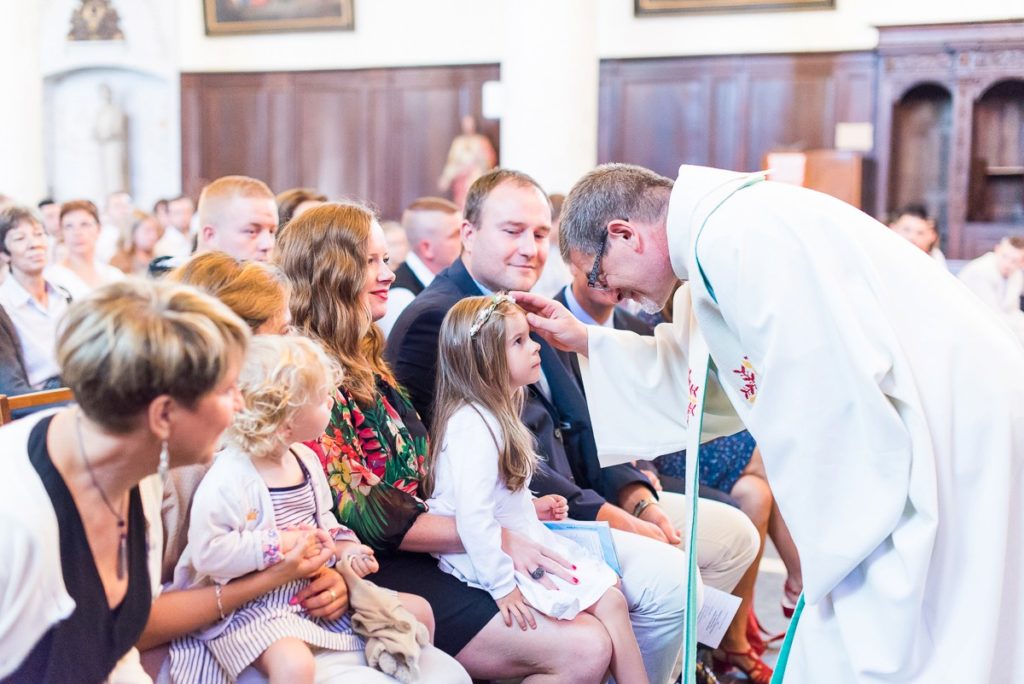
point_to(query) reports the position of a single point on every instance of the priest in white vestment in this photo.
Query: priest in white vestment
(888, 405)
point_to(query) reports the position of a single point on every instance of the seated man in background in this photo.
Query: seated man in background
(505, 236)
(998, 280)
(238, 216)
(432, 226)
(33, 305)
(912, 223)
(177, 238)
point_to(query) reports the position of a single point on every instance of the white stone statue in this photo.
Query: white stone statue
(111, 134)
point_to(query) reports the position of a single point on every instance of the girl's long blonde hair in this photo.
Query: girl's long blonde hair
(323, 254)
(472, 369)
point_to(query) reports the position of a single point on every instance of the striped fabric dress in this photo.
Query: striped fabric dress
(262, 621)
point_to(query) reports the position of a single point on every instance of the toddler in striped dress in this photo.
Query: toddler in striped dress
(265, 494)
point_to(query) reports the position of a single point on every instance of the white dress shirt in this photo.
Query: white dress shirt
(36, 326)
(399, 297)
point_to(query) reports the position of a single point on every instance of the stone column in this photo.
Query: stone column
(549, 77)
(22, 175)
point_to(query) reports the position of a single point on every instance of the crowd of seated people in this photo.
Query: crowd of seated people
(325, 453)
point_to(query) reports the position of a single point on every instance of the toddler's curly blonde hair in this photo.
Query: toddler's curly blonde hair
(281, 374)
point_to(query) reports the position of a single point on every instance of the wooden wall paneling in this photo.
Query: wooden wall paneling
(283, 136)
(191, 135)
(379, 135)
(728, 111)
(236, 127)
(431, 101)
(335, 141)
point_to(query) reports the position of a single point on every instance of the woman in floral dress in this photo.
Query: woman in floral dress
(335, 259)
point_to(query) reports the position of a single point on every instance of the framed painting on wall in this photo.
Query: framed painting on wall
(648, 7)
(227, 17)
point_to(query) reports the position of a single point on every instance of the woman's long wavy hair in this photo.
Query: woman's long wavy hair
(323, 254)
(474, 370)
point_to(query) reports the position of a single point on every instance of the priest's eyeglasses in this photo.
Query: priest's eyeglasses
(595, 280)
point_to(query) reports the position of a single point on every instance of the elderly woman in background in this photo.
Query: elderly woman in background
(373, 451)
(80, 272)
(153, 367)
(137, 247)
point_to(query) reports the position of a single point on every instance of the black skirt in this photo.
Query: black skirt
(460, 611)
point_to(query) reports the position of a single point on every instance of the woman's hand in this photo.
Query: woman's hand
(551, 507)
(528, 555)
(326, 595)
(514, 606)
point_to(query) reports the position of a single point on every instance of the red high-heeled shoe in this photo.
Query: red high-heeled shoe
(789, 598)
(760, 639)
(747, 662)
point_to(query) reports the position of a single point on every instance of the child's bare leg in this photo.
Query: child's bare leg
(627, 664)
(421, 610)
(287, 661)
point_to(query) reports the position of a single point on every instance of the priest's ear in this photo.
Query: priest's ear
(625, 231)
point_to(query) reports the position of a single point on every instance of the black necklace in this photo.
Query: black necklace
(122, 545)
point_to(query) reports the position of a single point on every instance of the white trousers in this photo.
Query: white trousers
(654, 575)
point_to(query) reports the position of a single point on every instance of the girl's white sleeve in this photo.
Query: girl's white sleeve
(472, 465)
(227, 535)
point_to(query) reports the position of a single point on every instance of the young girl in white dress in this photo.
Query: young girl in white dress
(479, 469)
(265, 494)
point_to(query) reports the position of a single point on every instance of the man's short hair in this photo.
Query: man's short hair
(915, 209)
(415, 229)
(608, 193)
(1015, 241)
(45, 202)
(220, 192)
(10, 218)
(482, 187)
(289, 200)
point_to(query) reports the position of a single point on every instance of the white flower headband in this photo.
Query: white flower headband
(486, 312)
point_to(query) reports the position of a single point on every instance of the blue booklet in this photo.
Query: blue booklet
(594, 536)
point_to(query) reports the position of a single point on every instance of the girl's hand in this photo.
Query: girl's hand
(361, 558)
(301, 561)
(514, 606)
(312, 540)
(528, 555)
(551, 507)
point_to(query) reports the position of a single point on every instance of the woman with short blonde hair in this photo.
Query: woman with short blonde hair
(153, 367)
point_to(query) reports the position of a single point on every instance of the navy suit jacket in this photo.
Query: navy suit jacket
(565, 440)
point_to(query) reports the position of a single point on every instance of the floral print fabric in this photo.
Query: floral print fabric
(373, 457)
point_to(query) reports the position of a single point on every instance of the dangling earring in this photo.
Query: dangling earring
(164, 463)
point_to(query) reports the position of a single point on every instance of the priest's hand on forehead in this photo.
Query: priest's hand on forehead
(553, 322)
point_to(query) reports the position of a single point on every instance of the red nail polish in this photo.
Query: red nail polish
(293, 600)
(575, 580)
(574, 567)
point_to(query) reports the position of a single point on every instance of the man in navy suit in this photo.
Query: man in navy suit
(505, 235)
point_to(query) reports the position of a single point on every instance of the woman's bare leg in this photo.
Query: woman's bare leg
(421, 610)
(627, 665)
(557, 652)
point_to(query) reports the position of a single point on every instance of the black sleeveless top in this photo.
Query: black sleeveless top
(86, 646)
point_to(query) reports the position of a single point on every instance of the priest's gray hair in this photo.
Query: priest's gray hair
(608, 193)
